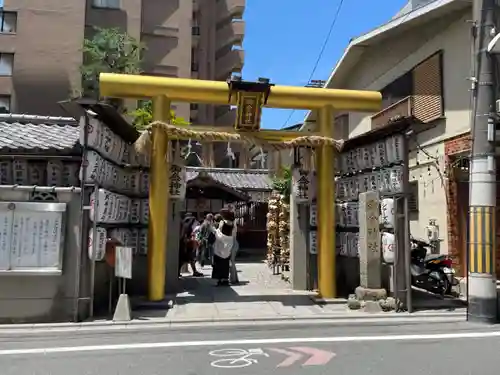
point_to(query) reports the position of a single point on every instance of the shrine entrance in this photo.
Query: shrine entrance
(250, 98)
(206, 195)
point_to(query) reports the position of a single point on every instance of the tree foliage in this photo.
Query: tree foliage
(109, 51)
(283, 183)
(143, 116)
(113, 51)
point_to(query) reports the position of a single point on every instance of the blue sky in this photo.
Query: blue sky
(283, 40)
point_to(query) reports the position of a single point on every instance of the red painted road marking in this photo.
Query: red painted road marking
(292, 357)
(318, 357)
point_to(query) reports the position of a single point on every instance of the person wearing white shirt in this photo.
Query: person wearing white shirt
(225, 236)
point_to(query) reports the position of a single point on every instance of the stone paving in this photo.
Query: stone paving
(260, 294)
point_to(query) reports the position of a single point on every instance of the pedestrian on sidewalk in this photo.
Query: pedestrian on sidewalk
(187, 247)
(225, 236)
(233, 271)
(206, 240)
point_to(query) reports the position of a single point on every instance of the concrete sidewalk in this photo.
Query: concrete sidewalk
(261, 298)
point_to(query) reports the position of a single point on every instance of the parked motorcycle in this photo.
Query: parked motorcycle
(432, 272)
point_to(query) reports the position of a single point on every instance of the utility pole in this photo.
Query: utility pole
(482, 296)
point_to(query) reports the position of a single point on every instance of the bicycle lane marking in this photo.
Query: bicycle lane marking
(236, 358)
(299, 355)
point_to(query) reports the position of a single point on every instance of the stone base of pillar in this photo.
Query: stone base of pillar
(371, 300)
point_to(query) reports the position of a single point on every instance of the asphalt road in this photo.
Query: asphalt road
(440, 348)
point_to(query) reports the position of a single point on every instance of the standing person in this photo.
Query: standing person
(225, 235)
(206, 239)
(187, 246)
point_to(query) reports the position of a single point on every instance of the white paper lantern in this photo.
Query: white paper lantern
(388, 247)
(387, 212)
(99, 251)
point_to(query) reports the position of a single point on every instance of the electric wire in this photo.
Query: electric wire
(321, 52)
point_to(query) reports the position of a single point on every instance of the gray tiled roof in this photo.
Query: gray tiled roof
(22, 133)
(243, 179)
(30, 134)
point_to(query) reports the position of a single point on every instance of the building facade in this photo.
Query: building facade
(41, 41)
(421, 63)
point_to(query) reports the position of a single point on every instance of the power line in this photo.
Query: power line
(323, 47)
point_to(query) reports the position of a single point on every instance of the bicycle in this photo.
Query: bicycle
(235, 358)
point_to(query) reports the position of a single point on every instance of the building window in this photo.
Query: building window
(397, 90)
(193, 106)
(8, 22)
(195, 30)
(6, 64)
(109, 4)
(4, 103)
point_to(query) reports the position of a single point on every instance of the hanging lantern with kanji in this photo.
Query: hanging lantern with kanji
(301, 185)
(250, 98)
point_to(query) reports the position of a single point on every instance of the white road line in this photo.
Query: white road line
(180, 344)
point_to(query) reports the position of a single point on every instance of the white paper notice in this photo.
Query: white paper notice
(123, 262)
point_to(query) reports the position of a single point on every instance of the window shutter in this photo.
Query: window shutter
(427, 87)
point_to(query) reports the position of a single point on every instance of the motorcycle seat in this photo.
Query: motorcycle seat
(434, 257)
(418, 270)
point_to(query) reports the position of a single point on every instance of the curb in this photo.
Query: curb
(451, 316)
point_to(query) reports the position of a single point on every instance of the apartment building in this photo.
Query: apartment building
(41, 40)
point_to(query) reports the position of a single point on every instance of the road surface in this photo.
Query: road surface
(439, 348)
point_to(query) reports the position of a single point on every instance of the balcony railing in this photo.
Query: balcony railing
(232, 62)
(230, 9)
(426, 108)
(232, 33)
(402, 108)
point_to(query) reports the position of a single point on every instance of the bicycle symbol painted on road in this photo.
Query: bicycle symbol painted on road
(236, 358)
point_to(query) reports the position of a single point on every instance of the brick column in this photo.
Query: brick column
(453, 147)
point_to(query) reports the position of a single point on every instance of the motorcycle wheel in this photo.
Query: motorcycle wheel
(446, 285)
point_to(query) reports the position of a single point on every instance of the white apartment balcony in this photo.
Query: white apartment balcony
(232, 33)
(230, 9)
(231, 62)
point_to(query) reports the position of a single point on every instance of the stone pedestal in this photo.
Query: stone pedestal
(298, 244)
(370, 264)
(370, 295)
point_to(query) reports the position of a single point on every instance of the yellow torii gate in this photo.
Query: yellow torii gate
(250, 97)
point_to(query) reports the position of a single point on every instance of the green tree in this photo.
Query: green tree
(113, 51)
(283, 183)
(109, 51)
(143, 116)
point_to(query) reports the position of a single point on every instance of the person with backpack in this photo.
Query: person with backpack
(187, 246)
